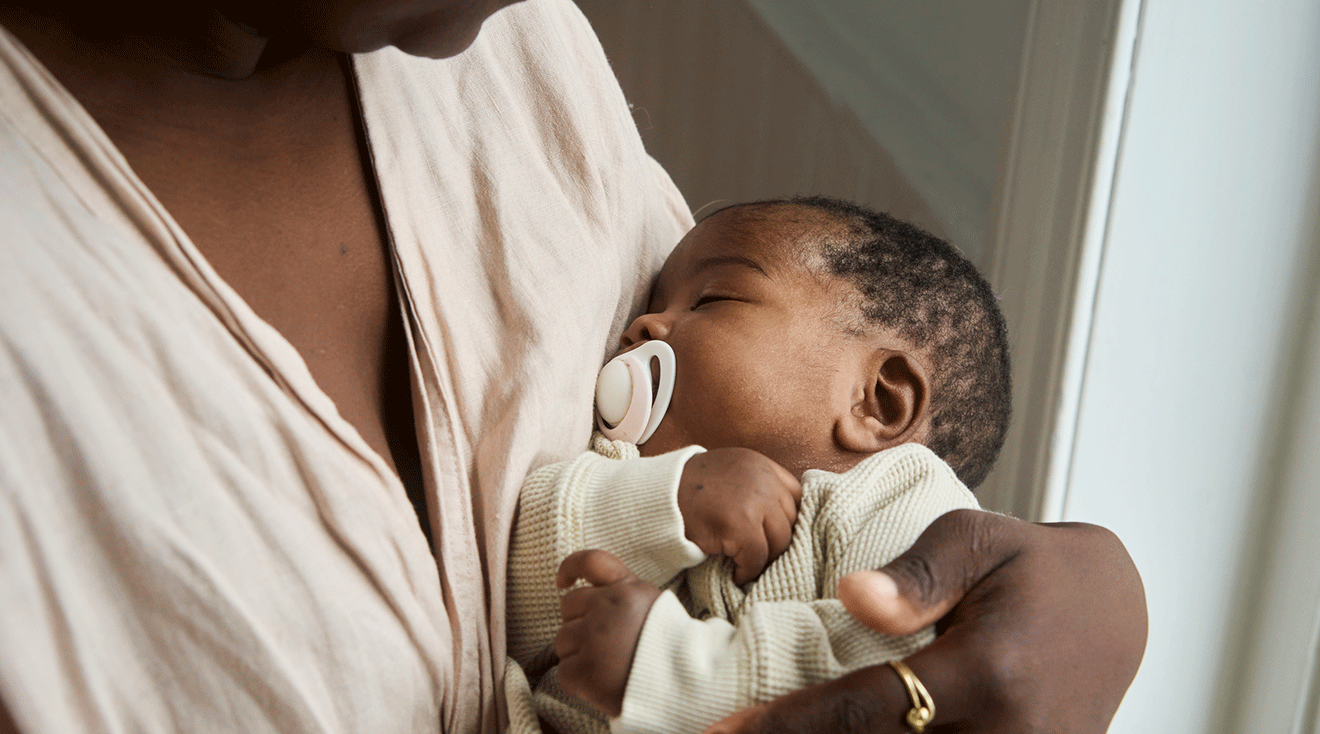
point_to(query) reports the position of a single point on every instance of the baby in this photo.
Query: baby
(812, 338)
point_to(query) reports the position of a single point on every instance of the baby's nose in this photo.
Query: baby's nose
(645, 328)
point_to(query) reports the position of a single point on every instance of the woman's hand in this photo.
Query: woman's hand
(1040, 628)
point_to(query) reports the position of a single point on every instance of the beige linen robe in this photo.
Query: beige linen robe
(191, 538)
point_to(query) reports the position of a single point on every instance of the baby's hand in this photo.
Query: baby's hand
(739, 503)
(602, 624)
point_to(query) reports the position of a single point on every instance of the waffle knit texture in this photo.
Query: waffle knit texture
(708, 647)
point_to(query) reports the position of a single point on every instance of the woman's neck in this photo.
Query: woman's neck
(200, 41)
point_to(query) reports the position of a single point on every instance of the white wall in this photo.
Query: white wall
(733, 115)
(1276, 685)
(933, 82)
(1196, 348)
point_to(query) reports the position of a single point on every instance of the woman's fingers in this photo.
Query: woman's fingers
(1041, 627)
(871, 701)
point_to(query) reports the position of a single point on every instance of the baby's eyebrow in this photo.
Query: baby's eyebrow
(715, 261)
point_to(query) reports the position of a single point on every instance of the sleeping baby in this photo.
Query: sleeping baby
(813, 383)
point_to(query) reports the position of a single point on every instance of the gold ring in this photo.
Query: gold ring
(923, 706)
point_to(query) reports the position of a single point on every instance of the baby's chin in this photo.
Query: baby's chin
(664, 440)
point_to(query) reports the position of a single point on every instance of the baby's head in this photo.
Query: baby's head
(818, 333)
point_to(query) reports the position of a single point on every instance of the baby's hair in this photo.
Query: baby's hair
(920, 286)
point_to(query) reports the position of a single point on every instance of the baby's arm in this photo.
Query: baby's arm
(786, 638)
(602, 623)
(658, 515)
(739, 503)
(720, 668)
(682, 674)
(626, 506)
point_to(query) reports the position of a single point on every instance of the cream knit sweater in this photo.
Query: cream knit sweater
(708, 647)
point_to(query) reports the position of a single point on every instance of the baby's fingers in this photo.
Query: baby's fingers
(778, 535)
(577, 602)
(570, 639)
(596, 567)
(788, 503)
(792, 483)
(749, 559)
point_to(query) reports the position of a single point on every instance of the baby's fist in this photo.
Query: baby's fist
(739, 503)
(602, 624)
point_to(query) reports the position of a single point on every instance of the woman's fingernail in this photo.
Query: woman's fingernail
(882, 585)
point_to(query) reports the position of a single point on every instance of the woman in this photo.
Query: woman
(266, 306)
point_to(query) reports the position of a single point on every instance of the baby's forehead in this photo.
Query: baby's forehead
(778, 233)
(782, 242)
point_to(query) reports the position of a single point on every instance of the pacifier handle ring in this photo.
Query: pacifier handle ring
(634, 421)
(664, 354)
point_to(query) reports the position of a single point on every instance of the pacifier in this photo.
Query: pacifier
(624, 408)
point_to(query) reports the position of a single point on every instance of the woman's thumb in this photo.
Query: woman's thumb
(914, 590)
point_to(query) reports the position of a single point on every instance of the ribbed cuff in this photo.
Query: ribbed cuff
(684, 676)
(647, 532)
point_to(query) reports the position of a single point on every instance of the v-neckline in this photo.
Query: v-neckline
(86, 139)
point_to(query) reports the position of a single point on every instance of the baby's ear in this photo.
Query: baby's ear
(890, 404)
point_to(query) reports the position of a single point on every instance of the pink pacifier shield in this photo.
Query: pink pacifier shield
(624, 408)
